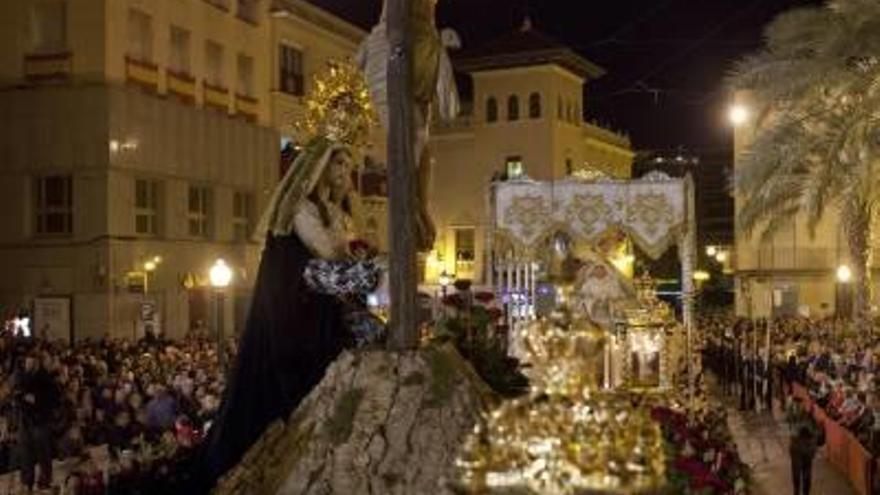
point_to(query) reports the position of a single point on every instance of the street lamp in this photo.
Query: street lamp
(721, 256)
(711, 251)
(445, 279)
(842, 302)
(220, 276)
(738, 114)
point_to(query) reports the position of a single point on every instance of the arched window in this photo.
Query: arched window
(535, 106)
(512, 107)
(560, 112)
(569, 112)
(491, 109)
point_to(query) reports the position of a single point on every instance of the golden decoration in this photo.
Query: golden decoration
(590, 210)
(565, 358)
(339, 106)
(530, 213)
(554, 445)
(565, 437)
(652, 210)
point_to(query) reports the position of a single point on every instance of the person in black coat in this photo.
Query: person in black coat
(37, 397)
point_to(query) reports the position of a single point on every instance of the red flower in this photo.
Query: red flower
(360, 247)
(454, 300)
(495, 314)
(484, 297)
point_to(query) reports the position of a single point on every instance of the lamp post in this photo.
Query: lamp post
(220, 276)
(445, 279)
(844, 277)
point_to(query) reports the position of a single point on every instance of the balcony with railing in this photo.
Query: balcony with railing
(48, 66)
(768, 258)
(247, 106)
(216, 96)
(182, 86)
(142, 73)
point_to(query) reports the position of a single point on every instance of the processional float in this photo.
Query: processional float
(601, 354)
(530, 219)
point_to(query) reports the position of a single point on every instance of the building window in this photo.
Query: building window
(179, 59)
(214, 64)
(569, 112)
(146, 207)
(290, 65)
(248, 9)
(491, 109)
(512, 107)
(53, 205)
(48, 27)
(569, 166)
(199, 211)
(513, 166)
(140, 36)
(245, 75)
(535, 106)
(465, 250)
(242, 214)
(560, 109)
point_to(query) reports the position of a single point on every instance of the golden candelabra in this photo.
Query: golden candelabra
(565, 437)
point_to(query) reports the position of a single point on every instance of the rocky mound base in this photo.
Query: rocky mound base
(378, 423)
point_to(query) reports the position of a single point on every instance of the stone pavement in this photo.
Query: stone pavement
(762, 440)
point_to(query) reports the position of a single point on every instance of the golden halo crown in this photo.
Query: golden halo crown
(338, 106)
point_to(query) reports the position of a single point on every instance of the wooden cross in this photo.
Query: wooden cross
(404, 331)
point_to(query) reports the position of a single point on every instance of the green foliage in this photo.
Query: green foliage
(814, 91)
(471, 331)
(442, 378)
(339, 427)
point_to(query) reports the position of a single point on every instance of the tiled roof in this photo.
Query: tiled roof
(525, 47)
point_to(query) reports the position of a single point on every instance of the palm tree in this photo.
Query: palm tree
(816, 90)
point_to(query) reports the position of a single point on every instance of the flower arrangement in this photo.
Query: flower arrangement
(475, 325)
(701, 456)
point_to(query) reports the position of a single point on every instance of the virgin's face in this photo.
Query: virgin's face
(337, 172)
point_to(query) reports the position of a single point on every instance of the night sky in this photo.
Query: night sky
(666, 59)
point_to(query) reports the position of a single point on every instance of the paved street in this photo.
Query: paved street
(763, 443)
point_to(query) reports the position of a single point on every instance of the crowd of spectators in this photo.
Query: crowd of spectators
(840, 368)
(149, 402)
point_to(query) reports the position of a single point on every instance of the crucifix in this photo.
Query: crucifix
(408, 70)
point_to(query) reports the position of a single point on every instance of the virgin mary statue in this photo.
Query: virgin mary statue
(293, 333)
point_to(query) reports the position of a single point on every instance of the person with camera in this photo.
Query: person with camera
(37, 398)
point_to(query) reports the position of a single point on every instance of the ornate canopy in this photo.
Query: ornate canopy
(655, 211)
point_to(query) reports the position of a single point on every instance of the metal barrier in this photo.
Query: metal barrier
(843, 449)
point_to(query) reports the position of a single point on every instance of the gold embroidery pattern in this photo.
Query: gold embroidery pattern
(528, 214)
(651, 210)
(589, 210)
